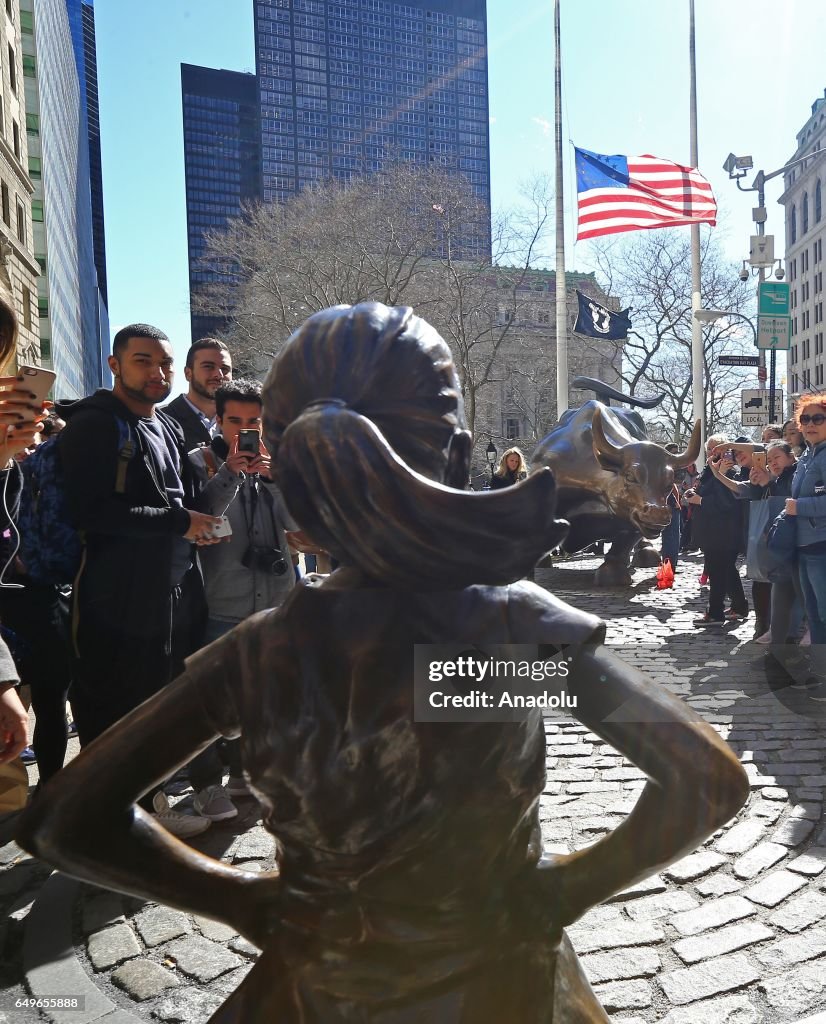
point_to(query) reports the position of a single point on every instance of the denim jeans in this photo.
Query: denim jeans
(813, 584)
(207, 768)
(671, 539)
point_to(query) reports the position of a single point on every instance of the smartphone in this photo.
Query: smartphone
(249, 441)
(36, 380)
(222, 529)
(758, 460)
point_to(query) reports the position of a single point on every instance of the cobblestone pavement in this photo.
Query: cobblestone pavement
(735, 933)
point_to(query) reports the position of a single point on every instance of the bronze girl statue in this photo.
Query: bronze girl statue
(411, 883)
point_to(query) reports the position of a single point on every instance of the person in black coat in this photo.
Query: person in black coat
(718, 529)
(208, 366)
(511, 470)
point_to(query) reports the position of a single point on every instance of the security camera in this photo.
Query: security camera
(744, 274)
(780, 273)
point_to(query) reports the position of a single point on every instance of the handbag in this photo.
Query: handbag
(782, 541)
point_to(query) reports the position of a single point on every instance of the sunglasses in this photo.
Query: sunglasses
(817, 419)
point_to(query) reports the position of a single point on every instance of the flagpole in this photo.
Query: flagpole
(560, 282)
(698, 398)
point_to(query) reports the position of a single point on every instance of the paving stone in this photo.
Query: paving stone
(741, 837)
(652, 908)
(718, 885)
(812, 811)
(688, 984)
(801, 912)
(620, 964)
(245, 948)
(255, 844)
(624, 995)
(111, 946)
(768, 810)
(188, 1005)
(810, 794)
(775, 793)
(694, 866)
(202, 959)
(588, 938)
(810, 863)
(646, 887)
(793, 949)
(793, 831)
(574, 775)
(725, 1010)
(797, 990)
(100, 910)
(228, 983)
(143, 979)
(161, 924)
(726, 940)
(10, 853)
(593, 787)
(774, 888)
(712, 915)
(215, 930)
(760, 858)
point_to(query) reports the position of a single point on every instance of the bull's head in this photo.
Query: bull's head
(642, 475)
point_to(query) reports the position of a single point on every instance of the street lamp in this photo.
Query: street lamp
(709, 316)
(490, 455)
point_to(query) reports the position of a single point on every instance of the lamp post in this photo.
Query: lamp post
(490, 455)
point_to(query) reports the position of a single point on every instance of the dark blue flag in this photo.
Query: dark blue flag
(595, 321)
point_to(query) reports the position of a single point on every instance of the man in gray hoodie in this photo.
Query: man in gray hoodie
(252, 570)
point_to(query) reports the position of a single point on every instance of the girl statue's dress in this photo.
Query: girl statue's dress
(411, 883)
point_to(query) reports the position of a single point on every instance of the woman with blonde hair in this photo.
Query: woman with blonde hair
(411, 882)
(512, 469)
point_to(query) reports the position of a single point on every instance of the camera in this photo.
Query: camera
(264, 559)
(744, 274)
(780, 273)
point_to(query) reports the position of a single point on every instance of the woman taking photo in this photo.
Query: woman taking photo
(411, 882)
(511, 470)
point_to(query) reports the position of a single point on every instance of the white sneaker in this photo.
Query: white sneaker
(766, 638)
(214, 803)
(178, 824)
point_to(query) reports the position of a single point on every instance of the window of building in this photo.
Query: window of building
(42, 261)
(512, 431)
(33, 124)
(819, 374)
(35, 168)
(45, 348)
(21, 222)
(27, 23)
(9, 9)
(804, 214)
(12, 70)
(793, 225)
(15, 134)
(818, 202)
(6, 205)
(42, 307)
(37, 210)
(29, 66)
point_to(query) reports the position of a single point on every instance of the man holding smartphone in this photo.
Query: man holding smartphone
(252, 569)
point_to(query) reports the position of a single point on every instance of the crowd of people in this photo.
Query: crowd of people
(184, 536)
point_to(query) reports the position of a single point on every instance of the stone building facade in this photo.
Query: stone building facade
(16, 236)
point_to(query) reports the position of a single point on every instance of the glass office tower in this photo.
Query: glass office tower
(222, 164)
(345, 83)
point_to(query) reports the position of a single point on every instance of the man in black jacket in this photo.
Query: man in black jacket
(208, 366)
(138, 600)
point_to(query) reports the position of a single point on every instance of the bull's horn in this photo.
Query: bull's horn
(692, 453)
(602, 446)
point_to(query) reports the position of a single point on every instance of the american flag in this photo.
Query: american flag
(633, 193)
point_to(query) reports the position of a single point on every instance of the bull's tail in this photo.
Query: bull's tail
(605, 393)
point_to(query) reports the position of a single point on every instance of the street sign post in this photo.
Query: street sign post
(774, 332)
(773, 298)
(754, 406)
(739, 360)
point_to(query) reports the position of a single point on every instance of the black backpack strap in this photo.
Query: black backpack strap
(127, 449)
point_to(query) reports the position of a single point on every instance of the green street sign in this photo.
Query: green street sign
(773, 298)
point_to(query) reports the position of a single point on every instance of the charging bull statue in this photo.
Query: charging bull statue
(612, 482)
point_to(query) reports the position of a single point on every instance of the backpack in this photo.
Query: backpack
(51, 548)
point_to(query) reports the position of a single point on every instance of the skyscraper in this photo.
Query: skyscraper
(73, 321)
(343, 84)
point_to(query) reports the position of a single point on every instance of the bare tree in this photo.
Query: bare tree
(652, 274)
(407, 235)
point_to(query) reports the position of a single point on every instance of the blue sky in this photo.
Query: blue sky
(625, 90)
